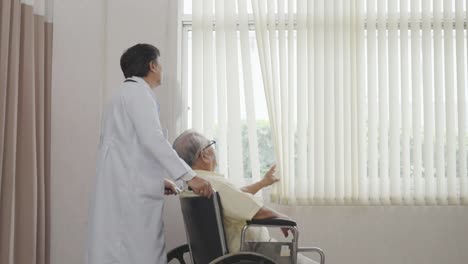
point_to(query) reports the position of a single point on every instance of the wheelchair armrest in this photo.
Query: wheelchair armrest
(272, 222)
(178, 253)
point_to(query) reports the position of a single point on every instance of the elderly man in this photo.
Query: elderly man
(239, 204)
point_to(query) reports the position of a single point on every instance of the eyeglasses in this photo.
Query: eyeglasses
(212, 142)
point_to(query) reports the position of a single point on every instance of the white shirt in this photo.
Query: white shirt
(238, 207)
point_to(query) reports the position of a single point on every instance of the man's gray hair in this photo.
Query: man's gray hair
(188, 144)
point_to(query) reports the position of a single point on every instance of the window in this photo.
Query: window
(266, 156)
(367, 99)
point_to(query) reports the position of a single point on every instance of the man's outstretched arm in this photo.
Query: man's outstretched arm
(268, 179)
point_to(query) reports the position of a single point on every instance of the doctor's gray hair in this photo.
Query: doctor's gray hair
(135, 60)
(188, 144)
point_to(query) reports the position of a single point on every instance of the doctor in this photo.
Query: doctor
(134, 158)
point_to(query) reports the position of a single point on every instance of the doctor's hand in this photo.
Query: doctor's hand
(200, 186)
(170, 187)
(269, 178)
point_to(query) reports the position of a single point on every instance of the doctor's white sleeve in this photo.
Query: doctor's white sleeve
(142, 110)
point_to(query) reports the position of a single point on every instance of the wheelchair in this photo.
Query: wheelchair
(203, 219)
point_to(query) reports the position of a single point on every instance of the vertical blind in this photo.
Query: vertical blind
(219, 52)
(366, 98)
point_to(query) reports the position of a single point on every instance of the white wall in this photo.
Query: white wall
(76, 80)
(375, 234)
(404, 235)
(89, 37)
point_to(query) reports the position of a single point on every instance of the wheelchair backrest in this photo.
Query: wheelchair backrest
(203, 219)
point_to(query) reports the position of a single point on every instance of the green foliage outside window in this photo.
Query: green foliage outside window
(265, 148)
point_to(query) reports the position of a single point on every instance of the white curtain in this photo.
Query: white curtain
(367, 99)
(219, 52)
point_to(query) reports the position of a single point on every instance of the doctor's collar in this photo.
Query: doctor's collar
(136, 79)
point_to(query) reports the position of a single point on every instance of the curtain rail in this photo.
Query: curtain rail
(187, 23)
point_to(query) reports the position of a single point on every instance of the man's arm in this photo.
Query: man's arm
(267, 213)
(267, 180)
(254, 188)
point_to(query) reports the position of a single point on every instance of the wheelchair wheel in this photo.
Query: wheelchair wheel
(243, 258)
(178, 254)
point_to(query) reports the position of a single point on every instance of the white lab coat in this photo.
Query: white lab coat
(134, 157)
